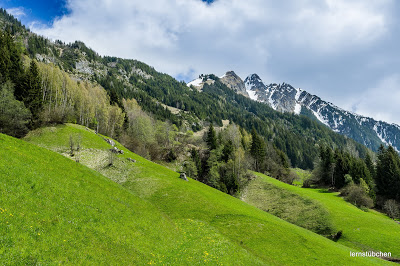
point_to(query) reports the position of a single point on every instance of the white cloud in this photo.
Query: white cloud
(178, 35)
(17, 12)
(382, 101)
(340, 23)
(185, 38)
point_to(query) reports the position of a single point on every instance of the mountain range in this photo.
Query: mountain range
(286, 98)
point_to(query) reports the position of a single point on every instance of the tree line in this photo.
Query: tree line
(363, 182)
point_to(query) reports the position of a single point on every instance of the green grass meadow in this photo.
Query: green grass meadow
(363, 230)
(57, 211)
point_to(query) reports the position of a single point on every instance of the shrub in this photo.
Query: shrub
(310, 181)
(356, 195)
(392, 209)
(14, 116)
(288, 177)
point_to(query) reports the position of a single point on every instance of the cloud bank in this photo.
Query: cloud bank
(335, 49)
(17, 12)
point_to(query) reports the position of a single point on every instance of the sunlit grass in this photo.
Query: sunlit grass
(151, 216)
(368, 231)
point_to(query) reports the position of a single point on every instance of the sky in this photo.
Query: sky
(345, 51)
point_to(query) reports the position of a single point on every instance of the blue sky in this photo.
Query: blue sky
(43, 11)
(345, 51)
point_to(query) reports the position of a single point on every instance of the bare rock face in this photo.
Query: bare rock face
(234, 82)
(83, 67)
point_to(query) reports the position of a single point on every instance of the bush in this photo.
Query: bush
(392, 209)
(14, 116)
(307, 183)
(288, 177)
(356, 195)
(312, 180)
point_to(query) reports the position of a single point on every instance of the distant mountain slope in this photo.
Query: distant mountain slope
(285, 98)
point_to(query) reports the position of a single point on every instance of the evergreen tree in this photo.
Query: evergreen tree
(194, 154)
(211, 139)
(32, 92)
(10, 59)
(257, 149)
(327, 165)
(388, 173)
(342, 167)
(370, 165)
(227, 151)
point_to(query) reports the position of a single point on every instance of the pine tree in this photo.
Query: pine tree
(342, 167)
(211, 138)
(32, 92)
(388, 173)
(370, 165)
(257, 149)
(327, 165)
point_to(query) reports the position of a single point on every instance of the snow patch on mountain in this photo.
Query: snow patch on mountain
(197, 82)
(298, 93)
(252, 95)
(297, 109)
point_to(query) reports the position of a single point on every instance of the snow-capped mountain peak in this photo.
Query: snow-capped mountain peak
(285, 98)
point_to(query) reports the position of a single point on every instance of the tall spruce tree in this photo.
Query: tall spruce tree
(342, 167)
(327, 165)
(370, 165)
(32, 92)
(257, 149)
(211, 139)
(388, 173)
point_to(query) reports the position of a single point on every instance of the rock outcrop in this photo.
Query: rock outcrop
(234, 82)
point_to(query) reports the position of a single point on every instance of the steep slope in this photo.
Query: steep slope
(361, 230)
(53, 210)
(285, 98)
(204, 214)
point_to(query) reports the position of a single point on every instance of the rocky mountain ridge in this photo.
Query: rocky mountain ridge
(285, 98)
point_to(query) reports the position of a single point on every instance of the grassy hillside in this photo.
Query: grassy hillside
(289, 206)
(54, 210)
(214, 227)
(57, 211)
(361, 230)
